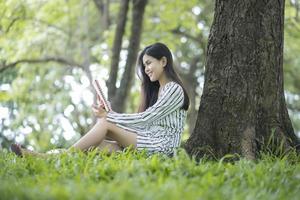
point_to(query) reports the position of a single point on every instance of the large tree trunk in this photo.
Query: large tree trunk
(119, 101)
(242, 106)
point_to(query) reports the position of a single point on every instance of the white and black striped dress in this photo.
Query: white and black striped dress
(159, 127)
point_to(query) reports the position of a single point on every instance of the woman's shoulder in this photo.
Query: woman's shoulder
(172, 85)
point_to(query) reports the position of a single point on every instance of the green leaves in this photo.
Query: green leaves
(34, 30)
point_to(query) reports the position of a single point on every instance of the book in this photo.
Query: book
(100, 93)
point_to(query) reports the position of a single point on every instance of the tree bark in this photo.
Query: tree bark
(242, 106)
(113, 74)
(119, 101)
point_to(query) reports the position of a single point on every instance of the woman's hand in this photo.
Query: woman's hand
(102, 105)
(99, 111)
(109, 106)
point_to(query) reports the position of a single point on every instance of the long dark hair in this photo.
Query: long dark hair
(150, 89)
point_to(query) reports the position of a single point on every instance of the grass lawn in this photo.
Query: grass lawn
(132, 175)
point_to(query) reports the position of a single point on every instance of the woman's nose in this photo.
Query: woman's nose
(147, 69)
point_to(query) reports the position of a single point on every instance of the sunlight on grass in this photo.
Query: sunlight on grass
(133, 175)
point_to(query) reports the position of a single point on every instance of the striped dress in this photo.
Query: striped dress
(159, 127)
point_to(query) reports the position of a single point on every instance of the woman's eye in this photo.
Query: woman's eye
(147, 63)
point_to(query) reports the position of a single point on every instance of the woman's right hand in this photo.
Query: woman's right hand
(101, 104)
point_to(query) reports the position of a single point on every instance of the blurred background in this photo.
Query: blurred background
(51, 50)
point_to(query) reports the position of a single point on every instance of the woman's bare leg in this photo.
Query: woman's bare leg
(109, 146)
(95, 138)
(102, 129)
(20, 151)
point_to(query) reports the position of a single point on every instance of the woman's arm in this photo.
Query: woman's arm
(171, 99)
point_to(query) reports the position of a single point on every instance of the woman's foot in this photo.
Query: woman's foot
(20, 151)
(17, 149)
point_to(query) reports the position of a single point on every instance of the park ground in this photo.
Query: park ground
(133, 175)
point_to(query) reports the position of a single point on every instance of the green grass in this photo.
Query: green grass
(132, 175)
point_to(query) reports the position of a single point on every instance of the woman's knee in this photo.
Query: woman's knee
(102, 122)
(123, 137)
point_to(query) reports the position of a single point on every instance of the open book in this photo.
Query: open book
(100, 93)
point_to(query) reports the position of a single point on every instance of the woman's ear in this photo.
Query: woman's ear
(164, 61)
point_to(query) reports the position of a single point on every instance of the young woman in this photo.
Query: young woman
(158, 125)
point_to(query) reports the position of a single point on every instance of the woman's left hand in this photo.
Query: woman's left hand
(99, 111)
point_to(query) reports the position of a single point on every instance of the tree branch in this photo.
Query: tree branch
(60, 60)
(34, 20)
(198, 39)
(177, 31)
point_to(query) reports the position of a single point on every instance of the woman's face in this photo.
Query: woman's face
(154, 68)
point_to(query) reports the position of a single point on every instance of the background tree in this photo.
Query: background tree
(292, 61)
(117, 46)
(243, 106)
(78, 51)
(122, 93)
(186, 34)
(51, 50)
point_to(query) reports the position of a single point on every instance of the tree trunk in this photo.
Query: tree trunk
(103, 8)
(242, 106)
(122, 18)
(119, 101)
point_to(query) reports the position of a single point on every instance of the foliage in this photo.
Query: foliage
(133, 175)
(292, 62)
(38, 95)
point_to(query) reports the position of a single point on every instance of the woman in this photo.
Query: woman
(158, 125)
